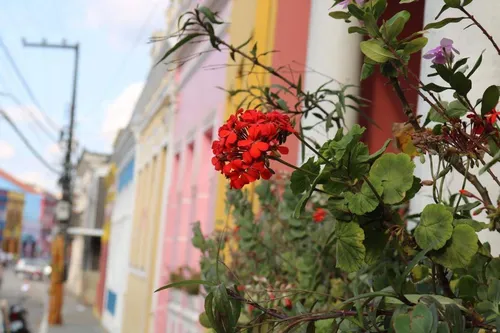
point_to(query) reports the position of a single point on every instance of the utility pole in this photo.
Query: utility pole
(65, 205)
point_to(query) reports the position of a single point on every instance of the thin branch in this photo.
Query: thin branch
(476, 22)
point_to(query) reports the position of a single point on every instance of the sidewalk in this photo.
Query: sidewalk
(76, 319)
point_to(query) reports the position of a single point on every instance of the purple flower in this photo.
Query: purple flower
(442, 53)
(345, 3)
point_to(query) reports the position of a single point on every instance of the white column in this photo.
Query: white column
(331, 53)
(470, 43)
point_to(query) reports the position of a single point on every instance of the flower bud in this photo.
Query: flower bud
(427, 182)
(466, 193)
(288, 303)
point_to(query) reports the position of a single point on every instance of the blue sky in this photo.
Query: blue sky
(114, 61)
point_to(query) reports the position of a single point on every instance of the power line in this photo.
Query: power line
(26, 86)
(40, 124)
(28, 144)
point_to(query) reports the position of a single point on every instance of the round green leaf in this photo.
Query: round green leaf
(365, 201)
(395, 173)
(490, 99)
(350, 249)
(435, 227)
(460, 249)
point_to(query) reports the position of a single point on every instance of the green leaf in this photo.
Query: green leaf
(454, 316)
(340, 15)
(415, 187)
(456, 109)
(452, 3)
(347, 142)
(443, 328)
(393, 29)
(209, 15)
(416, 45)
(375, 243)
(435, 227)
(476, 225)
(204, 321)
(421, 320)
(395, 174)
(365, 201)
(442, 23)
(358, 30)
(419, 257)
(490, 163)
(325, 326)
(460, 83)
(302, 178)
(350, 250)
(460, 249)
(494, 291)
(376, 52)
(476, 65)
(178, 45)
(366, 71)
(434, 87)
(356, 11)
(375, 155)
(185, 283)
(467, 287)
(402, 323)
(490, 99)
(493, 268)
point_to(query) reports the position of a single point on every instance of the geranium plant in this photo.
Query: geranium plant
(330, 249)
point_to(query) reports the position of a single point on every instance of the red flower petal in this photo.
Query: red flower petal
(282, 149)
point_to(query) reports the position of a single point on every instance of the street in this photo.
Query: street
(77, 318)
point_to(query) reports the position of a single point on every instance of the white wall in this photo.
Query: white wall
(470, 43)
(118, 254)
(331, 53)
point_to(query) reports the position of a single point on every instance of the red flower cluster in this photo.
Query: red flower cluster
(319, 215)
(246, 141)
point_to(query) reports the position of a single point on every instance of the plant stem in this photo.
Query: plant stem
(291, 165)
(314, 150)
(444, 282)
(406, 106)
(476, 22)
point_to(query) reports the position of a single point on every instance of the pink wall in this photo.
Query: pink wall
(292, 19)
(199, 103)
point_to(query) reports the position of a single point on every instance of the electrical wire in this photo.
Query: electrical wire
(26, 86)
(27, 143)
(41, 125)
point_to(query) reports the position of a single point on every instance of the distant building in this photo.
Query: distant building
(89, 203)
(38, 210)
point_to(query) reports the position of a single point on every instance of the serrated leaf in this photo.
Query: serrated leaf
(416, 45)
(350, 250)
(376, 52)
(490, 99)
(442, 23)
(395, 174)
(302, 178)
(435, 227)
(349, 140)
(460, 249)
(365, 201)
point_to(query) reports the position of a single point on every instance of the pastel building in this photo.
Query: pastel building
(151, 125)
(3, 213)
(120, 228)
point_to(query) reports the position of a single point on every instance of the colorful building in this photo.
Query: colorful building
(13, 223)
(47, 221)
(30, 243)
(120, 229)
(3, 213)
(151, 124)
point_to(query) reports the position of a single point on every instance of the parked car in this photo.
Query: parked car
(33, 268)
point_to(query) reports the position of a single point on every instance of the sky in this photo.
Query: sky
(114, 63)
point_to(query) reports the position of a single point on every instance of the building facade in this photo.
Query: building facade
(151, 124)
(119, 232)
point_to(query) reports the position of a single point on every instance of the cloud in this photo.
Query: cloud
(6, 150)
(118, 112)
(122, 19)
(27, 114)
(39, 179)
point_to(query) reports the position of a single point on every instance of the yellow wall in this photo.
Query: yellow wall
(263, 26)
(146, 225)
(14, 222)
